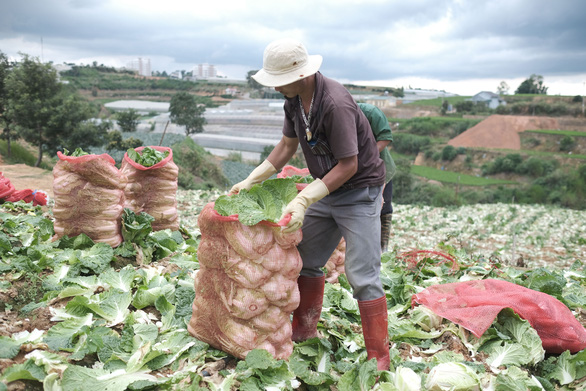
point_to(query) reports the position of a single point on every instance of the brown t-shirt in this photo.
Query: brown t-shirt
(339, 130)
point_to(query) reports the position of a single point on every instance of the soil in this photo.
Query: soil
(25, 177)
(501, 131)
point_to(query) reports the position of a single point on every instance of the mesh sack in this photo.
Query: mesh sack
(89, 198)
(10, 194)
(6, 187)
(289, 171)
(37, 197)
(246, 287)
(153, 189)
(475, 304)
(335, 265)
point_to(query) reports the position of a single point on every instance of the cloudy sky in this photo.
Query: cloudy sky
(459, 46)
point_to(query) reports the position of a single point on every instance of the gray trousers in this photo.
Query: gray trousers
(355, 215)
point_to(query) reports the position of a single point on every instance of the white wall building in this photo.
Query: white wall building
(141, 65)
(205, 71)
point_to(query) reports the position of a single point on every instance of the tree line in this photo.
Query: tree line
(37, 107)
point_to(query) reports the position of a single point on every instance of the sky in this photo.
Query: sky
(458, 46)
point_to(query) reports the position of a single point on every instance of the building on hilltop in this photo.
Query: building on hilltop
(380, 101)
(414, 94)
(178, 75)
(142, 66)
(204, 71)
(490, 99)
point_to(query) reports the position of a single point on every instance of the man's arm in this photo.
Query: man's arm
(283, 152)
(382, 144)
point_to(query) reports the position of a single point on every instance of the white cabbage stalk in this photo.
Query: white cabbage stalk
(407, 380)
(452, 376)
(426, 318)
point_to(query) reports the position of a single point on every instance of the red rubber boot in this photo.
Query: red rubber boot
(374, 318)
(306, 316)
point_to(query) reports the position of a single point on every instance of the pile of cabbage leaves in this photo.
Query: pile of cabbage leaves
(118, 320)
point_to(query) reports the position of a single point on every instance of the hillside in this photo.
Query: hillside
(501, 131)
(479, 139)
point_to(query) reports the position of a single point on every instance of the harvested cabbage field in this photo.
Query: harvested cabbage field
(76, 315)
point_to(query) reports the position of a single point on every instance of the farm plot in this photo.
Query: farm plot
(77, 313)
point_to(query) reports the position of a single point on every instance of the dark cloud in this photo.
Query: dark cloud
(443, 39)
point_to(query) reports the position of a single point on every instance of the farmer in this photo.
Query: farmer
(344, 199)
(383, 136)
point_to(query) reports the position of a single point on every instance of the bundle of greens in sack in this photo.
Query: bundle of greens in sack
(89, 197)
(246, 287)
(152, 184)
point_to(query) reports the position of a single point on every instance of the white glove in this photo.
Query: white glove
(314, 192)
(259, 174)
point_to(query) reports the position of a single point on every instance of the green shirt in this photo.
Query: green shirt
(382, 132)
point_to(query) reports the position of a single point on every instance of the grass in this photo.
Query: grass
(530, 152)
(437, 102)
(456, 178)
(20, 154)
(571, 133)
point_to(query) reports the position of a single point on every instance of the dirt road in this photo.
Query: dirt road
(25, 177)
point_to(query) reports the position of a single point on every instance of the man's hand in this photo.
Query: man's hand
(259, 174)
(314, 192)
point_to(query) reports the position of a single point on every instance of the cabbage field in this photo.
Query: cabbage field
(79, 315)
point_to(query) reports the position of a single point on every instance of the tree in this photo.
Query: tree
(503, 88)
(253, 83)
(186, 111)
(33, 96)
(449, 153)
(532, 85)
(128, 120)
(118, 143)
(70, 126)
(5, 121)
(399, 92)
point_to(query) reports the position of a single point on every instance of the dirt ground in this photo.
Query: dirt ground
(501, 131)
(25, 177)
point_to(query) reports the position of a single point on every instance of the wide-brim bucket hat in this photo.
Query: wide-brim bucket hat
(286, 61)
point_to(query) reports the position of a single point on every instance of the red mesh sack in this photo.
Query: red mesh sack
(89, 198)
(335, 265)
(37, 197)
(475, 304)
(288, 171)
(10, 194)
(153, 189)
(6, 188)
(246, 287)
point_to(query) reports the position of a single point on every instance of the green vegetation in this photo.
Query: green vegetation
(184, 110)
(445, 127)
(545, 154)
(410, 144)
(555, 132)
(197, 168)
(105, 78)
(438, 102)
(20, 155)
(148, 157)
(532, 85)
(549, 184)
(118, 315)
(264, 201)
(69, 128)
(539, 108)
(455, 177)
(128, 120)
